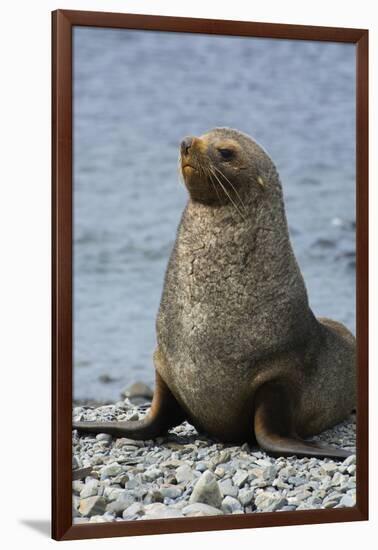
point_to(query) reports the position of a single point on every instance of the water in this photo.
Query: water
(136, 94)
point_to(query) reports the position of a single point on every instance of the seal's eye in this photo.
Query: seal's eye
(226, 153)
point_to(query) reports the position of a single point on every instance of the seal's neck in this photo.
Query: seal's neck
(263, 208)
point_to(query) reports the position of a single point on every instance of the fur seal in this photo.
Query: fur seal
(240, 354)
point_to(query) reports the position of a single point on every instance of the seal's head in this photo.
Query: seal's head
(223, 166)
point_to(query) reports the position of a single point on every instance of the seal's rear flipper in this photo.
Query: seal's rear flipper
(165, 413)
(274, 431)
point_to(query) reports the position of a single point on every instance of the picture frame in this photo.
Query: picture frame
(63, 22)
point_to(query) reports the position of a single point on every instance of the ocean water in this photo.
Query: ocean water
(136, 94)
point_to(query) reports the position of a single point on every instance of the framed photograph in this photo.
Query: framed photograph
(210, 274)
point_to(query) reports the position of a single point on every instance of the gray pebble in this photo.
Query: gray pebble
(120, 504)
(110, 470)
(201, 509)
(89, 489)
(231, 506)
(245, 496)
(160, 511)
(171, 491)
(151, 474)
(240, 478)
(267, 501)
(207, 490)
(104, 437)
(350, 460)
(228, 488)
(347, 501)
(184, 474)
(92, 506)
(134, 510)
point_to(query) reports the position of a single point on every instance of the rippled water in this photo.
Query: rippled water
(136, 94)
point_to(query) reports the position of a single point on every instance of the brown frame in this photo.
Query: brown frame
(62, 23)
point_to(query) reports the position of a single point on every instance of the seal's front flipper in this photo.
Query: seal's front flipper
(274, 427)
(165, 413)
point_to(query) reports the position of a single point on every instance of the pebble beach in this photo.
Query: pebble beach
(185, 473)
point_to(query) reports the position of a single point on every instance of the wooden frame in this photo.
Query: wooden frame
(62, 23)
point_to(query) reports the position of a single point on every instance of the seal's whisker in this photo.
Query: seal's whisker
(228, 195)
(214, 186)
(233, 187)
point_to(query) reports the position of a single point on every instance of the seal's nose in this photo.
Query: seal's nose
(186, 144)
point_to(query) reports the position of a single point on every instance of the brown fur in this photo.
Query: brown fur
(240, 353)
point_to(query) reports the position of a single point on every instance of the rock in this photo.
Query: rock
(269, 473)
(331, 503)
(104, 438)
(92, 506)
(328, 468)
(207, 490)
(297, 481)
(122, 441)
(338, 479)
(97, 519)
(81, 473)
(133, 511)
(154, 495)
(245, 496)
(270, 502)
(121, 479)
(227, 488)
(301, 495)
(347, 501)
(287, 471)
(221, 458)
(255, 473)
(170, 479)
(184, 474)
(171, 491)
(133, 483)
(111, 470)
(89, 489)
(132, 415)
(240, 478)
(201, 509)
(172, 463)
(159, 510)
(112, 493)
(349, 461)
(121, 503)
(264, 462)
(151, 474)
(127, 479)
(231, 506)
(77, 486)
(315, 501)
(280, 484)
(138, 393)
